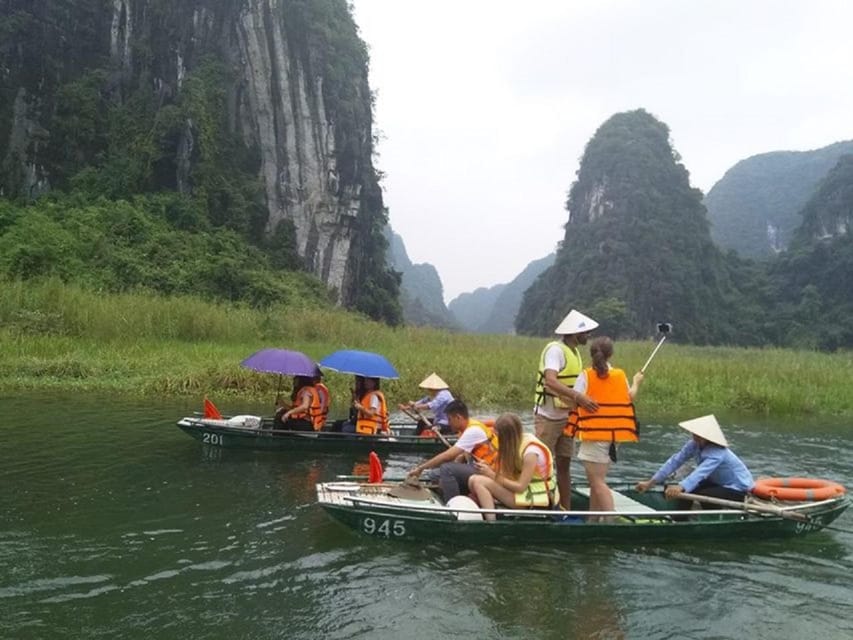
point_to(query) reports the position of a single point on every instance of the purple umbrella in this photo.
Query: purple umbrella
(282, 362)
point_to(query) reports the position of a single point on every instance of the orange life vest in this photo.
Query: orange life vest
(369, 425)
(323, 393)
(487, 451)
(615, 420)
(314, 413)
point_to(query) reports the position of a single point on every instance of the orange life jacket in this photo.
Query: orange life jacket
(314, 413)
(615, 420)
(323, 393)
(370, 425)
(487, 451)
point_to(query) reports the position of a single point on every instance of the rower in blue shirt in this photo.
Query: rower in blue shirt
(437, 398)
(719, 473)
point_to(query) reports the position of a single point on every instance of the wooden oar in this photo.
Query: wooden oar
(417, 415)
(746, 506)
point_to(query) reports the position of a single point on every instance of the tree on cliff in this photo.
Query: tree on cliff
(812, 282)
(246, 121)
(637, 248)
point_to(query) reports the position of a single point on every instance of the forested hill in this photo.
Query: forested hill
(637, 249)
(493, 309)
(220, 147)
(421, 291)
(813, 279)
(754, 209)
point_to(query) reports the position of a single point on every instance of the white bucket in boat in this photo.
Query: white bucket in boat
(464, 502)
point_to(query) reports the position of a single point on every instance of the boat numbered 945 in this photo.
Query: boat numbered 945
(383, 510)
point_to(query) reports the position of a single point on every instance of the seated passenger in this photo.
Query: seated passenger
(305, 410)
(369, 414)
(325, 400)
(719, 473)
(525, 476)
(478, 442)
(437, 398)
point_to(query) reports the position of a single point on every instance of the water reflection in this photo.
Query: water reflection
(118, 524)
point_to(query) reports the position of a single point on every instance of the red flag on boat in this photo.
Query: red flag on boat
(210, 410)
(375, 475)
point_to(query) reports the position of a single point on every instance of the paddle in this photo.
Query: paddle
(417, 415)
(762, 508)
(663, 328)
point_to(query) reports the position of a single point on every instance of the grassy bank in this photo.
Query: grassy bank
(55, 337)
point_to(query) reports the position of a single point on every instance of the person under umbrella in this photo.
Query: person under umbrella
(369, 414)
(305, 412)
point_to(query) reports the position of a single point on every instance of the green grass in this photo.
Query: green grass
(56, 337)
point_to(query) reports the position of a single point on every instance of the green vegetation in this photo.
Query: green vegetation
(154, 242)
(637, 249)
(765, 192)
(169, 154)
(58, 337)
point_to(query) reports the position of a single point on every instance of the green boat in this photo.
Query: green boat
(235, 433)
(384, 511)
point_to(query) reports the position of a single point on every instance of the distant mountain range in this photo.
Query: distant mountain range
(421, 291)
(755, 207)
(493, 309)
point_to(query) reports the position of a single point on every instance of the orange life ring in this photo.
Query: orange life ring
(797, 489)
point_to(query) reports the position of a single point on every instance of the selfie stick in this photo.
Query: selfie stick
(663, 328)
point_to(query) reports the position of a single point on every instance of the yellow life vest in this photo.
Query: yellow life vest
(615, 420)
(486, 452)
(541, 492)
(567, 375)
(371, 424)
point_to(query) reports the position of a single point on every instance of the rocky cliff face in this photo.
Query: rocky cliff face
(297, 96)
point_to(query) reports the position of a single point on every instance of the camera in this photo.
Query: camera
(664, 327)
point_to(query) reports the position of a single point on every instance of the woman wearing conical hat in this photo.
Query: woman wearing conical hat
(719, 473)
(437, 398)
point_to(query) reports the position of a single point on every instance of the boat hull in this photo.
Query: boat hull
(234, 437)
(407, 521)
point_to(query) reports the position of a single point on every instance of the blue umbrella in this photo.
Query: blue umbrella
(360, 363)
(282, 362)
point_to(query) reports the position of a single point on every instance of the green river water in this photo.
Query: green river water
(115, 524)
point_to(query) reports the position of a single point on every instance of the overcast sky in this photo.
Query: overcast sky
(484, 106)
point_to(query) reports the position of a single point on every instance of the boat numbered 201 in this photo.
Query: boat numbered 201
(215, 439)
(383, 527)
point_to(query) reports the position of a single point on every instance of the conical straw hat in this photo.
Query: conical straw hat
(575, 322)
(706, 427)
(433, 382)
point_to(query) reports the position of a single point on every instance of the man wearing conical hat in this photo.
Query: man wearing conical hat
(559, 366)
(719, 473)
(437, 398)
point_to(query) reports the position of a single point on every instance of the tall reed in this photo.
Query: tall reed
(54, 336)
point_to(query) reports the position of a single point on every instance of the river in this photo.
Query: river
(115, 524)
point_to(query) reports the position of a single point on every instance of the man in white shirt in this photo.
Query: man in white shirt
(456, 464)
(559, 366)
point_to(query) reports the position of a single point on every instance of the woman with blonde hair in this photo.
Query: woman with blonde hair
(525, 475)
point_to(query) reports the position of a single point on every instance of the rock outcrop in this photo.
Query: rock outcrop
(297, 95)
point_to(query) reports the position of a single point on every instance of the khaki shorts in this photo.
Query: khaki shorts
(551, 433)
(594, 451)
